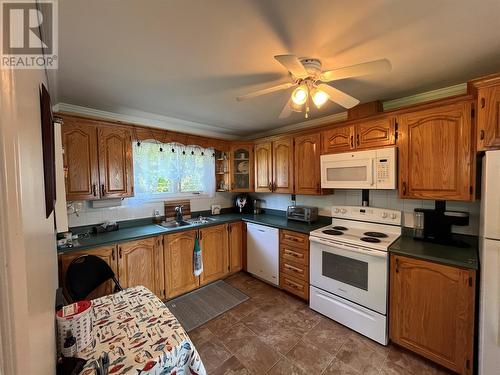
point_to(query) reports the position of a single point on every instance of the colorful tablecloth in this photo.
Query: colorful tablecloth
(141, 336)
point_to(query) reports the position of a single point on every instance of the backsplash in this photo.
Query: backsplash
(378, 198)
(130, 209)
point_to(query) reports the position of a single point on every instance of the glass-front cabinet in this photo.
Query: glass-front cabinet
(241, 168)
(222, 174)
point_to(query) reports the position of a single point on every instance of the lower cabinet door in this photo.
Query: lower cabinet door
(106, 253)
(178, 251)
(235, 246)
(214, 252)
(137, 263)
(432, 311)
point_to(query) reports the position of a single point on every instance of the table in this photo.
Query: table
(141, 337)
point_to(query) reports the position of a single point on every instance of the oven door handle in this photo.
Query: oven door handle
(355, 249)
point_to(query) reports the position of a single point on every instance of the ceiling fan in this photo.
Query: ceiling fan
(308, 79)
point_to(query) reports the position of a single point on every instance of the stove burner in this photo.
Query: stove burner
(333, 232)
(375, 234)
(370, 239)
(338, 227)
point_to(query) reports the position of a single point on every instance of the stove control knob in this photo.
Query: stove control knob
(393, 216)
(343, 210)
(384, 215)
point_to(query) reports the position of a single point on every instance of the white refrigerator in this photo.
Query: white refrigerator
(489, 304)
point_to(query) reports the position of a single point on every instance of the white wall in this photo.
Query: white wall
(378, 198)
(28, 251)
(130, 210)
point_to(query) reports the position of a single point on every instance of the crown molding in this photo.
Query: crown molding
(150, 119)
(459, 89)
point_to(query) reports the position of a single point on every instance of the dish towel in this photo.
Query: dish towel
(197, 258)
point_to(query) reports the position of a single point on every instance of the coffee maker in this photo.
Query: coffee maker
(434, 225)
(243, 203)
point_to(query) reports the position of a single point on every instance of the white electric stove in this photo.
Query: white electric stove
(349, 268)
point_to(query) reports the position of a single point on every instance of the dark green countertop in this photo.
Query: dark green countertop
(142, 230)
(465, 257)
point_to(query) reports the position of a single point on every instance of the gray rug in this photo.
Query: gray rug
(204, 304)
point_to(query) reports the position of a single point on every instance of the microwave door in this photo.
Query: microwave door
(348, 174)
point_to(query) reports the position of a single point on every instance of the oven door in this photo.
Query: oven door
(355, 172)
(355, 273)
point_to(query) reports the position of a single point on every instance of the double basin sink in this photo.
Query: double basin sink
(185, 223)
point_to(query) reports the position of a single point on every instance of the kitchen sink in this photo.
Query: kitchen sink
(201, 220)
(175, 224)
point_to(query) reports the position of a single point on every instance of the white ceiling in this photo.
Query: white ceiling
(189, 59)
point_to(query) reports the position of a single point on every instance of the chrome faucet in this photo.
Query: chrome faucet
(178, 213)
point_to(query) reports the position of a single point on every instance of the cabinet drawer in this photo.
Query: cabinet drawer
(294, 239)
(294, 254)
(296, 286)
(297, 270)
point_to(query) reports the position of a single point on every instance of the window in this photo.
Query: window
(175, 170)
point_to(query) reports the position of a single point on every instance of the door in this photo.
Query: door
(242, 168)
(263, 252)
(106, 253)
(352, 272)
(80, 160)
(436, 153)
(306, 161)
(283, 165)
(115, 162)
(213, 242)
(376, 133)
(178, 251)
(263, 167)
(137, 264)
(235, 246)
(337, 139)
(432, 311)
(488, 118)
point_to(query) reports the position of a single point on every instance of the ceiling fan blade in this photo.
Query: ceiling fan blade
(293, 64)
(371, 67)
(269, 90)
(338, 96)
(287, 109)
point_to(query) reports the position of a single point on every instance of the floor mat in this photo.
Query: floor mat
(204, 304)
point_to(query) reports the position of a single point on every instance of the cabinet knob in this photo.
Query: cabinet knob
(404, 188)
(270, 186)
(94, 190)
(102, 190)
(352, 141)
(397, 265)
(120, 252)
(357, 139)
(481, 135)
(483, 102)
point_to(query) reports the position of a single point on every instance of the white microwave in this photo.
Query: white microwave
(372, 169)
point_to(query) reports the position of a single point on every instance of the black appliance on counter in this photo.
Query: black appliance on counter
(243, 204)
(434, 225)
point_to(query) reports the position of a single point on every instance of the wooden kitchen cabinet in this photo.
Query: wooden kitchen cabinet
(80, 160)
(178, 253)
(235, 241)
(214, 247)
(307, 171)
(138, 264)
(263, 167)
(487, 92)
(115, 162)
(106, 253)
(337, 139)
(294, 263)
(375, 133)
(436, 153)
(283, 165)
(242, 165)
(432, 311)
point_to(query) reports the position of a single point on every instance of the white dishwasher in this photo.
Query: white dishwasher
(263, 252)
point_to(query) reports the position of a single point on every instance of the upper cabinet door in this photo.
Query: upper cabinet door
(488, 118)
(376, 133)
(242, 168)
(307, 167)
(436, 156)
(263, 167)
(337, 139)
(283, 165)
(80, 161)
(115, 162)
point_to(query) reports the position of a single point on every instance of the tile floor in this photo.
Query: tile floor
(276, 333)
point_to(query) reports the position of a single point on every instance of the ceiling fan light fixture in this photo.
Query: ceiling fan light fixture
(300, 94)
(319, 97)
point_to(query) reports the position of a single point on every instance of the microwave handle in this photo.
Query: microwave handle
(355, 249)
(372, 172)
